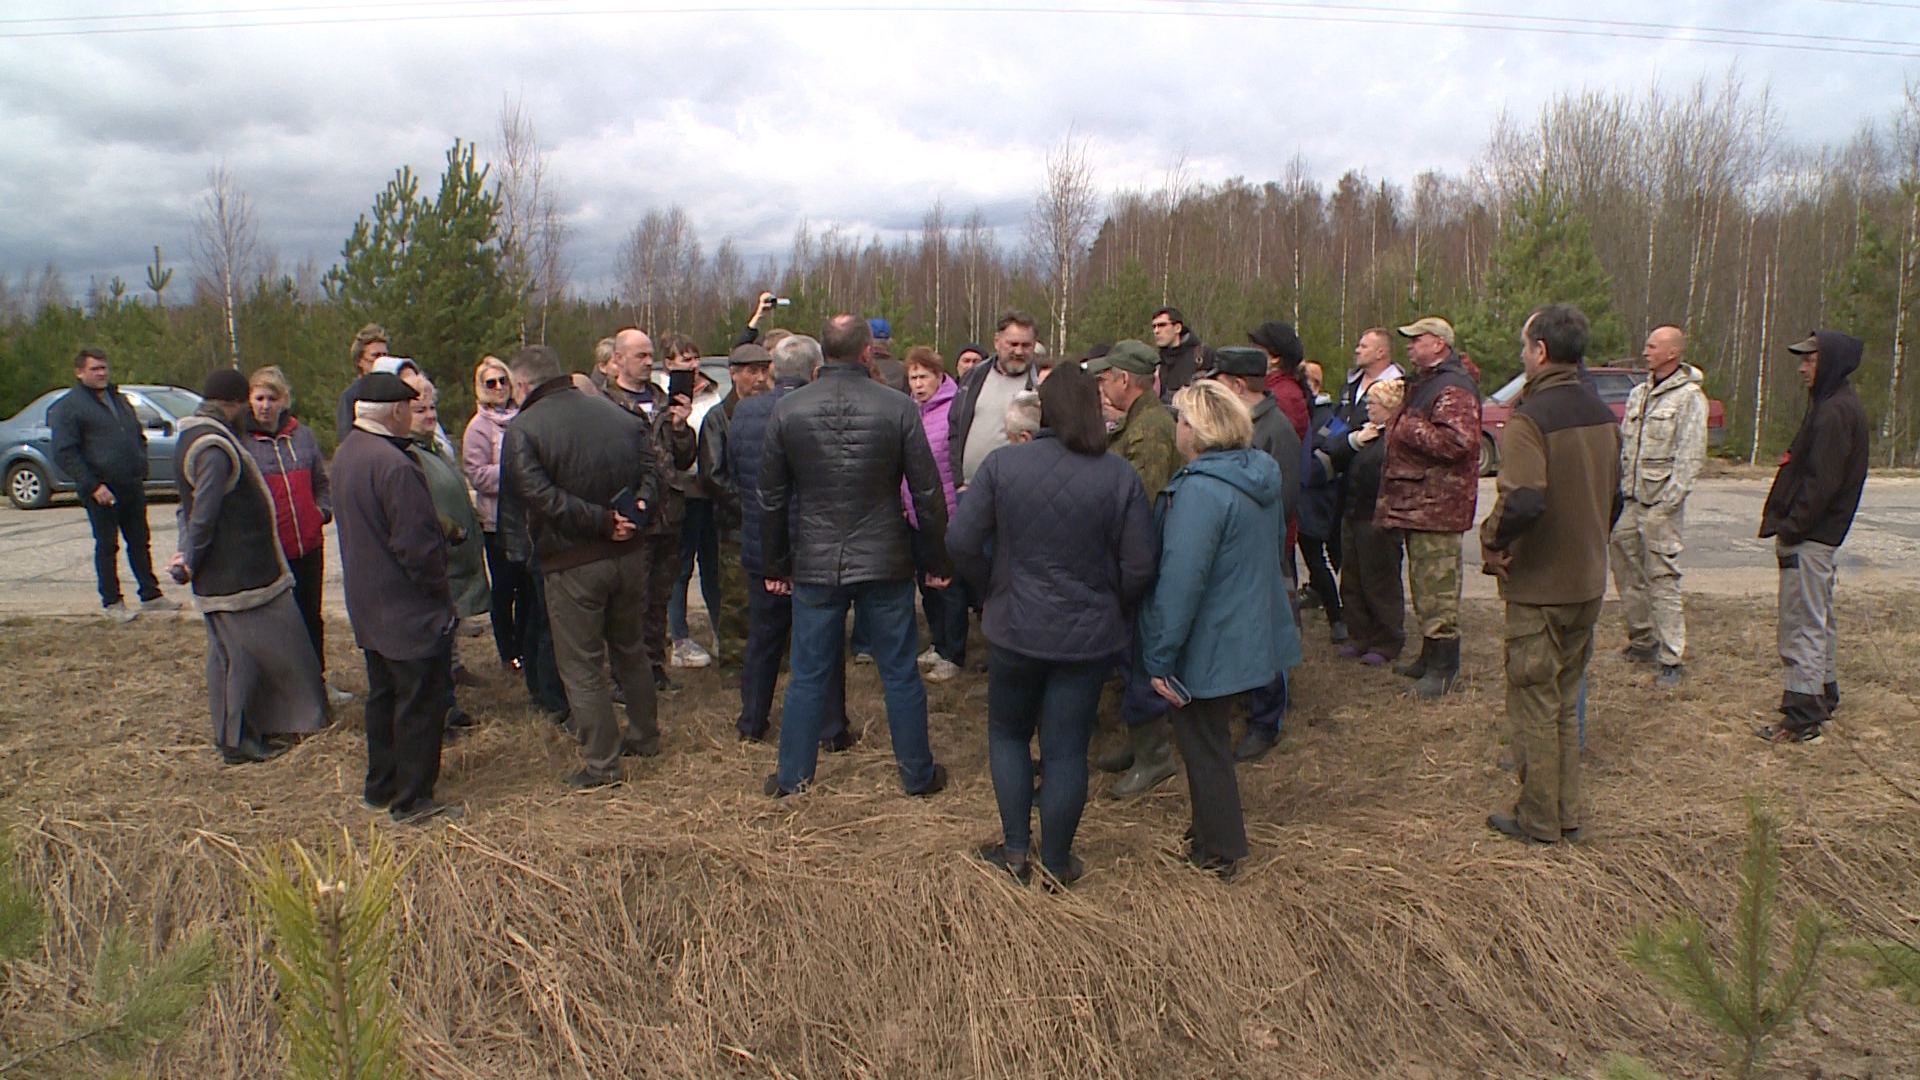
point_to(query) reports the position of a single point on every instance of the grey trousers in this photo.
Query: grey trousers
(597, 614)
(1202, 732)
(1808, 636)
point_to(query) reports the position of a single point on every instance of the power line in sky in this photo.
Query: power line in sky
(424, 11)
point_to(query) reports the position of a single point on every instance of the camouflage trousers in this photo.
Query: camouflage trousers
(1433, 577)
(730, 629)
(1645, 552)
(1547, 652)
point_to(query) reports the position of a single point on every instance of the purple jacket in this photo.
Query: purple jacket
(934, 415)
(480, 456)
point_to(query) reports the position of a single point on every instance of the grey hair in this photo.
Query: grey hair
(378, 411)
(536, 364)
(1023, 414)
(796, 357)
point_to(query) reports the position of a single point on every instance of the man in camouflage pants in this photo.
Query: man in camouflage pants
(1663, 445)
(1428, 489)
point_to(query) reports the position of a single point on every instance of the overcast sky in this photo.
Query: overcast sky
(752, 120)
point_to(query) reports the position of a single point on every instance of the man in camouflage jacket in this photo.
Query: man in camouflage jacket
(1663, 445)
(1428, 489)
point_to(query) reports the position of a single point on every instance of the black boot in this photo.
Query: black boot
(1443, 664)
(1832, 694)
(1416, 667)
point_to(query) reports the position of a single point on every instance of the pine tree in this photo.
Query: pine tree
(1545, 256)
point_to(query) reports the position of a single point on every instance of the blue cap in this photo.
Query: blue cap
(882, 330)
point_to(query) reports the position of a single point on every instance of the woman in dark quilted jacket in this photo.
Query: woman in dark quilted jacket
(296, 474)
(1073, 552)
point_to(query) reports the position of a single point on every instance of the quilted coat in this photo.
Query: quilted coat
(935, 412)
(1431, 479)
(296, 475)
(746, 448)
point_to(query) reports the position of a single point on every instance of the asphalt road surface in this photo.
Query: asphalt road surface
(46, 556)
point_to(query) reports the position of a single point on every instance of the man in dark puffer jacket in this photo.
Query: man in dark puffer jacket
(1808, 512)
(770, 614)
(568, 457)
(832, 533)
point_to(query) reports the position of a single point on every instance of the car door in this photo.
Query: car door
(161, 433)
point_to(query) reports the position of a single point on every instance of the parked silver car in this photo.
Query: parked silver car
(26, 443)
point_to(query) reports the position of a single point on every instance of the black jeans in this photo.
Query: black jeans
(510, 608)
(127, 516)
(1202, 732)
(405, 722)
(1314, 552)
(309, 572)
(769, 628)
(1370, 584)
(946, 611)
(1061, 702)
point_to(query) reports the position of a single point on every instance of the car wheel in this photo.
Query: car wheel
(27, 486)
(1489, 456)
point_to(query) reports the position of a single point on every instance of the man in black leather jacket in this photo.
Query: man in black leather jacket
(832, 532)
(569, 457)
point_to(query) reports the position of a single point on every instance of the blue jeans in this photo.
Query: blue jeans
(1061, 702)
(699, 538)
(819, 626)
(126, 517)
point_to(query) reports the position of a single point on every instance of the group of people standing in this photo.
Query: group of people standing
(1138, 514)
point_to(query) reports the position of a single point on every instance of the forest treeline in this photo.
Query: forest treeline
(1686, 207)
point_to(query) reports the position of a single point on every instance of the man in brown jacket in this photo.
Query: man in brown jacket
(1546, 540)
(1428, 489)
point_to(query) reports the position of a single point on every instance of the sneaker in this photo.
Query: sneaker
(121, 613)
(160, 603)
(943, 670)
(1779, 734)
(338, 698)
(1671, 675)
(928, 657)
(863, 658)
(426, 810)
(1639, 654)
(687, 653)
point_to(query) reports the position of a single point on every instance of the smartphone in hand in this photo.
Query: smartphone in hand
(1179, 691)
(680, 384)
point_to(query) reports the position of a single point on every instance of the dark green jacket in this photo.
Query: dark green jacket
(1145, 438)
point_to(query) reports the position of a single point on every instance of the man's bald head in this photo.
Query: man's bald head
(632, 359)
(1665, 345)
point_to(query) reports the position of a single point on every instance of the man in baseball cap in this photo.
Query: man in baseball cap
(1432, 324)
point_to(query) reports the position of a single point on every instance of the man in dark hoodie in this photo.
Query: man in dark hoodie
(1808, 512)
(1180, 350)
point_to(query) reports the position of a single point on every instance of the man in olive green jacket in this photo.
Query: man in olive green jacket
(1143, 434)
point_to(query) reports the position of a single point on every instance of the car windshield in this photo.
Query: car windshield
(1510, 393)
(181, 403)
(1614, 386)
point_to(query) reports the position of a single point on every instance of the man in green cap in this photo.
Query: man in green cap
(1144, 433)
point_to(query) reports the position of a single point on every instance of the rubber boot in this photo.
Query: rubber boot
(1443, 664)
(1417, 666)
(1152, 760)
(1118, 758)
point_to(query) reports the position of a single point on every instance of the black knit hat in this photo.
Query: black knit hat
(1280, 340)
(226, 385)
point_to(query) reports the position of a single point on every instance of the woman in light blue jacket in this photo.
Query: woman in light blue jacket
(1217, 623)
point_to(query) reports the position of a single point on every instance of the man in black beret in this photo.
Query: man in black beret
(393, 557)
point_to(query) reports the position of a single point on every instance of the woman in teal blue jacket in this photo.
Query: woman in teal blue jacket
(1217, 623)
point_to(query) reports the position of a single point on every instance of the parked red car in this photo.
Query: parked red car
(1614, 383)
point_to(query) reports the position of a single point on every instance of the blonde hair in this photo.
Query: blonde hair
(1218, 418)
(273, 379)
(1388, 393)
(489, 363)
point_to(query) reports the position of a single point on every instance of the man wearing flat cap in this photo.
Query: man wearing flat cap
(1243, 370)
(393, 558)
(1808, 512)
(1144, 435)
(1428, 489)
(263, 677)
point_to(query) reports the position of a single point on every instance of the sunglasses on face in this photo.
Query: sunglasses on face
(494, 384)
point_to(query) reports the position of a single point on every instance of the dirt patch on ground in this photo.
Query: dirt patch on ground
(683, 925)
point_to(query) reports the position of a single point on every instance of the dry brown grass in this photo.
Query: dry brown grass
(684, 926)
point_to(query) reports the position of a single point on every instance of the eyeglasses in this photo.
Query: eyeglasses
(494, 384)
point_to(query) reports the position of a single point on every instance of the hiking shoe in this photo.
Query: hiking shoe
(863, 658)
(160, 603)
(1779, 734)
(773, 789)
(1639, 654)
(424, 811)
(1016, 866)
(687, 653)
(928, 657)
(587, 781)
(934, 786)
(1671, 676)
(337, 697)
(1509, 826)
(1254, 745)
(649, 748)
(943, 670)
(121, 613)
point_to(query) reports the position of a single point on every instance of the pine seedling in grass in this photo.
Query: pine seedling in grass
(130, 1009)
(329, 916)
(1896, 966)
(1744, 996)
